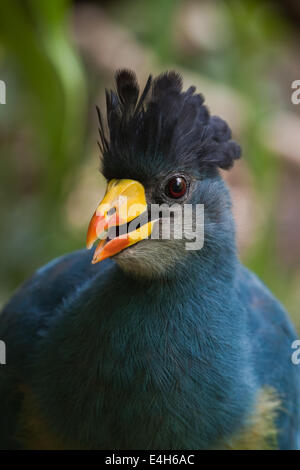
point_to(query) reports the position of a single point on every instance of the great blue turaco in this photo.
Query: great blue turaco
(142, 343)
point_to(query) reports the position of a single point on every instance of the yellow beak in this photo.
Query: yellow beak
(123, 202)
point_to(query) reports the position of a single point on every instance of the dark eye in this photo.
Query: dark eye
(176, 187)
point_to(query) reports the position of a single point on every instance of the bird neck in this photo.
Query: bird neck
(202, 279)
(213, 267)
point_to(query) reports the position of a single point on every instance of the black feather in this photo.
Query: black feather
(127, 88)
(163, 129)
(166, 83)
(144, 95)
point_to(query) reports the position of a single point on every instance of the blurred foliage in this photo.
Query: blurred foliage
(42, 137)
(44, 130)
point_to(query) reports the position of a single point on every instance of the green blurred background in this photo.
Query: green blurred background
(57, 57)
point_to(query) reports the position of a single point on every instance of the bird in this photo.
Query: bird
(146, 342)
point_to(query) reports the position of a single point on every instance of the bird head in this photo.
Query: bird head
(165, 199)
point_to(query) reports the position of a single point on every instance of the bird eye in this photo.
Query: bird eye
(176, 187)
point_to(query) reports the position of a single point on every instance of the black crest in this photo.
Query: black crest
(160, 127)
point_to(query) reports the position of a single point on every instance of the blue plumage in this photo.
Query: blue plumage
(101, 358)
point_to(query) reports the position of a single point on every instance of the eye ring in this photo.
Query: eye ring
(176, 187)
